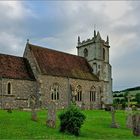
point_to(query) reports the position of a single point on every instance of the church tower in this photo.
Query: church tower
(96, 51)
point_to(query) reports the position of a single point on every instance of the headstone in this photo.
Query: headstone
(83, 106)
(33, 115)
(91, 106)
(128, 111)
(129, 123)
(114, 124)
(51, 119)
(33, 108)
(136, 124)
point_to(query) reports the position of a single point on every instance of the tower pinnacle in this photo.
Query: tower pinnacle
(107, 40)
(94, 33)
(78, 39)
(27, 41)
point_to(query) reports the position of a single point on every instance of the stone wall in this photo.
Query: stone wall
(64, 91)
(91, 51)
(45, 89)
(32, 61)
(101, 67)
(86, 87)
(20, 93)
(95, 51)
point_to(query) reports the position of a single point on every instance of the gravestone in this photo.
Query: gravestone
(83, 106)
(129, 123)
(33, 108)
(136, 124)
(91, 106)
(51, 119)
(113, 124)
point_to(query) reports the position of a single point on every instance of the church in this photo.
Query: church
(51, 75)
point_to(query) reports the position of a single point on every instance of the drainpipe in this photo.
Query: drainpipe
(69, 94)
(1, 93)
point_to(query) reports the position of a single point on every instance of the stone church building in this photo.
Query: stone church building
(48, 75)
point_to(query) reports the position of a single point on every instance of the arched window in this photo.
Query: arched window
(9, 88)
(55, 92)
(85, 52)
(103, 53)
(78, 97)
(92, 94)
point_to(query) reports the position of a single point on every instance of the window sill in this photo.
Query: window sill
(8, 95)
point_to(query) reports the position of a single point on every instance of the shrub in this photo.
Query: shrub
(71, 120)
(9, 110)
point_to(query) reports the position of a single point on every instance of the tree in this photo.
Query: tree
(115, 95)
(120, 95)
(125, 96)
(116, 101)
(122, 101)
(137, 97)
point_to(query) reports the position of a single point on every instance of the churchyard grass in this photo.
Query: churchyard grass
(18, 125)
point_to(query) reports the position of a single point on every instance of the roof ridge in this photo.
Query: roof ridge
(37, 46)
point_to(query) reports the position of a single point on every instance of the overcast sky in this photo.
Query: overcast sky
(57, 24)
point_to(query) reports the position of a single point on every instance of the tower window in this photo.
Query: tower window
(103, 53)
(9, 88)
(85, 52)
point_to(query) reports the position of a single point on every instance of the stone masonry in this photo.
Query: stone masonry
(64, 83)
(20, 96)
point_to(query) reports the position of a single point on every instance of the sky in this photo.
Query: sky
(57, 24)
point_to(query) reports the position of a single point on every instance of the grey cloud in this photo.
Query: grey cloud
(13, 16)
(57, 25)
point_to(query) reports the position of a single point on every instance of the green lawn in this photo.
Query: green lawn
(18, 125)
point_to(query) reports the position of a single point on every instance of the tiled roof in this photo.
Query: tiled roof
(15, 67)
(52, 62)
